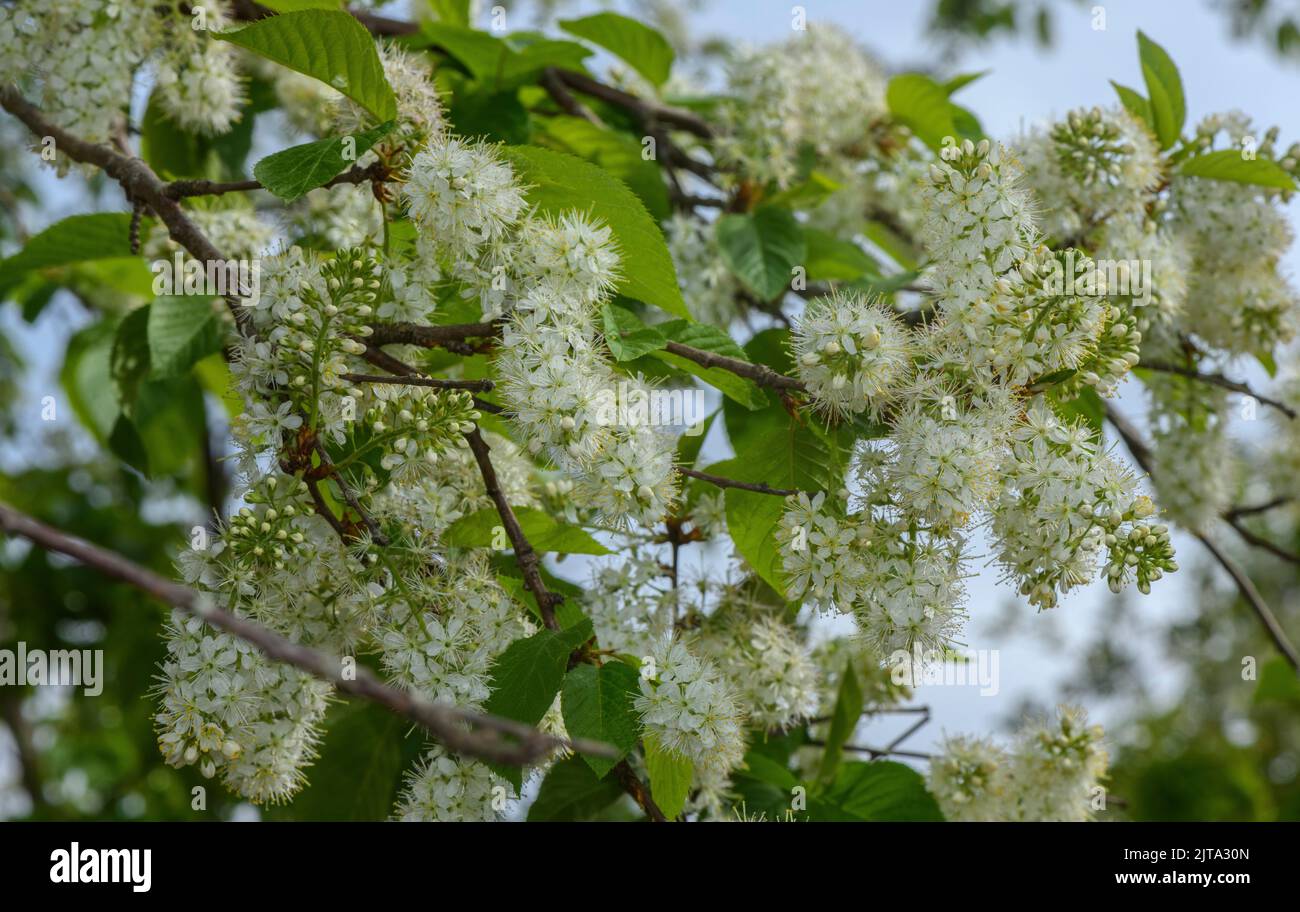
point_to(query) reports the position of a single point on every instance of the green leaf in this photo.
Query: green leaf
(921, 104)
(561, 183)
(844, 721)
(99, 236)
(452, 12)
(495, 116)
(494, 62)
(1162, 111)
(627, 337)
(1229, 165)
(959, 82)
(807, 194)
(1135, 104)
(762, 249)
(670, 777)
(87, 379)
(528, 675)
(292, 172)
(618, 153)
(181, 331)
(130, 360)
(879, 791)
(329, 45)
(544, 532)
(689, 444)
(833, 260)
(126, 445)
(358, 775)
(1086, 405)
(571, 791)
(293, 6)
(638, 45)
(1165, 87)
(597, 704)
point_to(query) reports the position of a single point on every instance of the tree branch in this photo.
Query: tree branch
(469, 734)
(1221, 381)
(138, 181)
(525, 556)
(721, 482)
(1132, 438)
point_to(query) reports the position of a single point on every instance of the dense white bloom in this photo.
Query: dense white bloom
(447, 788)
(1092, 166)
(771, 672)
(686, 706)
(462, 195)
(708, 286)
(852, 353)
(969, 778)
(787, 97)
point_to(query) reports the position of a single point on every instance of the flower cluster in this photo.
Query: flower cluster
(83, 55)
(786, 99)
(688, 709)
(852, 353)
(1052, 773)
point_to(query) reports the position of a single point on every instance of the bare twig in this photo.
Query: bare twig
(1260, 541)
(357, 174)
(463, 732)
(525, 556)
(721, 482)
(1220, 381)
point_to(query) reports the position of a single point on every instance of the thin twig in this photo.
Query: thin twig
(722, 482)
(1220, 381)
(463, 732)
(525, 556)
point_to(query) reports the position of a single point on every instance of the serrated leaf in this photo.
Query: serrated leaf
(1229, 165)
(618, 153)
(181, 331)
(571, 791)
(597, 704)
(670, 777)
(638, 45)
(543, 531)
(292, 172)
(921, 104)
(844, 721)
(528, 675)
(1158, 69)
(762, 248)
(98, 236)
(711, 339)
(329, 45)
(562, 183)
(627, 337)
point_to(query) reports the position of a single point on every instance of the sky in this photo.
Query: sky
(1024, 85)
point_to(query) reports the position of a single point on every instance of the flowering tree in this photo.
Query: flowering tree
(457, 329)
